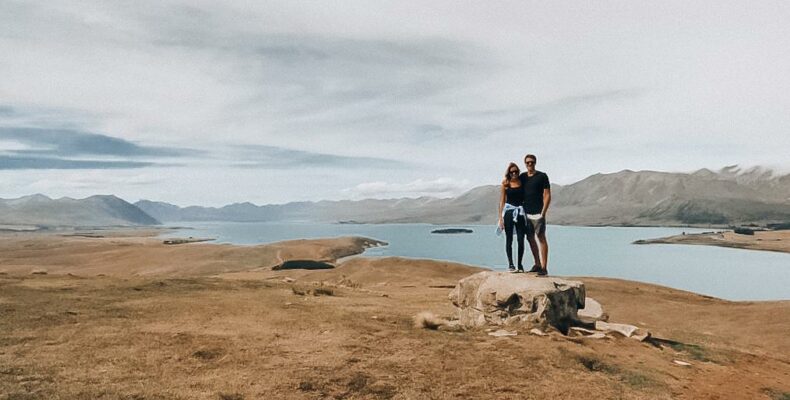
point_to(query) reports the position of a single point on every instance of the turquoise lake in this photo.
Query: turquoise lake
(732, 274)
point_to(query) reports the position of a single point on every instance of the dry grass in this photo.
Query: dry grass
(775, 394)
(247, 336)
(428, 320)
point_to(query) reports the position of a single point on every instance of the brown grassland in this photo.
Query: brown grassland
(126, 317)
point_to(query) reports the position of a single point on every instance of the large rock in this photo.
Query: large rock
(502, 298)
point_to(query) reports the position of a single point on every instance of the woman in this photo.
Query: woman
(511, 214)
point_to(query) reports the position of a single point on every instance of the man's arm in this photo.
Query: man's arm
(546, 202)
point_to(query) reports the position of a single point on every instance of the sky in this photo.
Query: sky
(211, 103)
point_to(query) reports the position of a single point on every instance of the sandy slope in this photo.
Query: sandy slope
(223, 325)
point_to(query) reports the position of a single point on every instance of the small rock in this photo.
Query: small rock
(587, 333)
(502, 333)
(71, 312)
(592, 309)
(289, 304)
(536, 331)
(289, 280)
(375, 317)
(683, 363)
(641, 335)
(596, 335)
(623, 329)
(582, 330)
(38, 272)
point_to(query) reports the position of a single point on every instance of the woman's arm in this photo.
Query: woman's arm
(500, 222)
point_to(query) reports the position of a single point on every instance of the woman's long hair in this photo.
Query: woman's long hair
(507, 171)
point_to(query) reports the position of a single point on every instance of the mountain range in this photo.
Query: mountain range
(729, 196)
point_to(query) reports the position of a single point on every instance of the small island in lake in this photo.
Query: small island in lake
(452, 230)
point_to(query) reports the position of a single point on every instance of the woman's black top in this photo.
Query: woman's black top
(514, 196)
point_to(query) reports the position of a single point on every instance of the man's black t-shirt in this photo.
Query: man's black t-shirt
(533, 191)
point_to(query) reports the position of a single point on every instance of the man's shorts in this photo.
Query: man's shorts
(536, 226)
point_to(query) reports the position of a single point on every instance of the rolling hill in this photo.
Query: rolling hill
(95, 211)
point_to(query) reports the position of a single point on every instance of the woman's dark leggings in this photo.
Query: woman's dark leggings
(521, 229)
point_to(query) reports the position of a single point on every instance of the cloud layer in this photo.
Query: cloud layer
(258, 101)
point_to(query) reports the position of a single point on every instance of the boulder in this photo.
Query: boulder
(502, 298)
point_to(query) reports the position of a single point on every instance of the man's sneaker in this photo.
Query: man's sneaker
(535, 268)
(520, 269)
(543, 272)
(511, 269)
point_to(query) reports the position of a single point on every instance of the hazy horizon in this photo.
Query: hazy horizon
(205, 104)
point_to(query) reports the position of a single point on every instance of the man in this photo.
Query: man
(537, 197)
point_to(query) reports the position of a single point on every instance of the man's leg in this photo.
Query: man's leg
(544, 250)
(533, 245)
(543, 244)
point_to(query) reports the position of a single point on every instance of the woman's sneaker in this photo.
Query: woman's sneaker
(543, 272)
(535, 268)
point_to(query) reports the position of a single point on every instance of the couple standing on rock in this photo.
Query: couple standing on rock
(523, 204)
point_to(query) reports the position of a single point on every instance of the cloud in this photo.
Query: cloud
(98, 180)
(271, 157)
(563, 104)
(14, 162)
(43, 148)
(68, 143)
(511, 118)
(440, 187)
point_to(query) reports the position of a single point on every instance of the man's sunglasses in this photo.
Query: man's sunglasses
(530, 162)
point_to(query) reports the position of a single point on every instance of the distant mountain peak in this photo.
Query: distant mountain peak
(752, 174)
(37, 196)
(704, 172)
